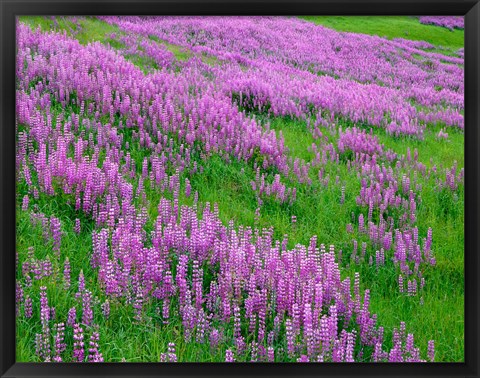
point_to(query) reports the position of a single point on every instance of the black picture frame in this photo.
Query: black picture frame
(9, 9)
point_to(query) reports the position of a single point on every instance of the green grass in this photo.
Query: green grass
(146, 64)
(430, 149)
(318, 211)
(393, 27)
(296, 135)
(86, 30)
(180, 52)
(47, 23)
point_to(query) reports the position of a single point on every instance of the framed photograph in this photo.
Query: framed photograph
(244, 188)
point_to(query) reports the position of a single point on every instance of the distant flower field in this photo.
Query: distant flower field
(238, 189)
(449, 22)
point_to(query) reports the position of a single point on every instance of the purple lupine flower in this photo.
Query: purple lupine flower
(166, 311)
(59, 344)
(229, 356)
(188, 188)
(25, 203)
(361, 225)
(46, 267)
(87, 311)
(55, 229)
(303, 358)
(72, 316)
(78, 345)
(38, 344)
(172, 356)
(400, 283)
(236, 322)
(27, 307)
(350, 347)
(66, 274)
(431, 350)
(290, 337)
(106, 308)
(254, 352)
(214, 338)
(93, 353)
(412, 287)
(409, 344)
(44, 319)
(77, 227)
(18, 298)
(81, 282)
(138, 306)
(271, 354)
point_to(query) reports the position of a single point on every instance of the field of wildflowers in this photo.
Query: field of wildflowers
(219, 189)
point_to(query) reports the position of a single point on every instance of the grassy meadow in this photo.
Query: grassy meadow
(436, 312)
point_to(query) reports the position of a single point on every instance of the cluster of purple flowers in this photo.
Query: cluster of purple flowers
(449, 22)
(359, 142)
(276, 189)
(388, 221)
(454, 178)
(51, 344)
